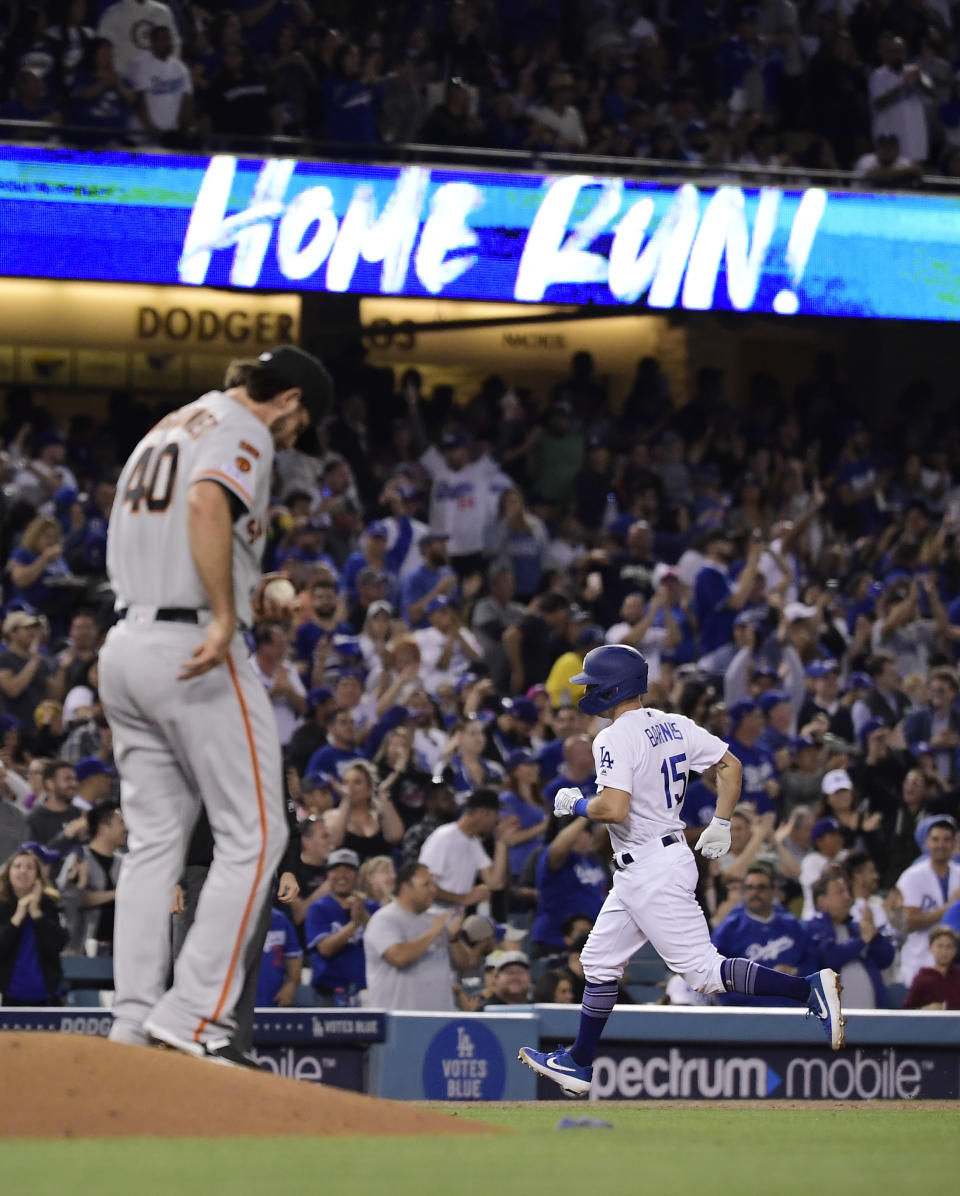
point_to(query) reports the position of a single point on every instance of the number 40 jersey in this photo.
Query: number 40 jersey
(149, 561)
(650, 755)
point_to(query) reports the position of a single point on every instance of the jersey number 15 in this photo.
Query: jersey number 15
(674, 775)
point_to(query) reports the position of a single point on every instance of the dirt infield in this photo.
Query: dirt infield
(74, 1086)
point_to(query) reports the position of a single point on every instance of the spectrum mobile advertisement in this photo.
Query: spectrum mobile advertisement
(286, 224)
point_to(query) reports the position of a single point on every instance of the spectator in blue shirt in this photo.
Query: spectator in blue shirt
(524, 802)
(760, 784)
(577, 770)
(373, 554)
(37, 561)
(281, 965)
(857, 952)
(519, 538)
(350, 101)
(341, 746)
(435, 578)
(716, 600)
(99, 97)
(334, 933)
(571, 879)
(763, 932)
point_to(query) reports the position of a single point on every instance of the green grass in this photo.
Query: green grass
(816, 1150)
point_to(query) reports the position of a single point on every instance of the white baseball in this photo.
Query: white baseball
(279, 592)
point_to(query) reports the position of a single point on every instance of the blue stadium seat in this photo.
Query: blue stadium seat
(646, 971)
(645, 994)
(85, 998)
(896, 995)
(78, 969)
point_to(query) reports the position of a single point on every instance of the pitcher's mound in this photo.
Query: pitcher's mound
(76, 1086)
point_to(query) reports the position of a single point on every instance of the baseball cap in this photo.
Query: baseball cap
(799, 610)
(429, 536)
(822, 668)
(868, 728)
(441, 602)
(521, 708)
(835, 780)
(305, 371)
(66, 496)
(738, 711)
(926, 825)
(378, 528)
(773, 697)
(823, 826)
(343, 856)
(316, 696)
(381, 606)
(17, 619)
(521, 756)
(482, 799)
(859, 680)
(799, 742)
(452, 440)
(591, 634)
(503, 959)
(89, 766)
(316, 780)
(78, 697)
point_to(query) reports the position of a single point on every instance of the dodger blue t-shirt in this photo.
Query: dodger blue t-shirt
(782, 940)
(579, 887)
(281, 944)
(347, 969)
(758, 768)
(513, 805)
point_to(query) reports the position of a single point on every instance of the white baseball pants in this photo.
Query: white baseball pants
(212, 739)
(652, 900)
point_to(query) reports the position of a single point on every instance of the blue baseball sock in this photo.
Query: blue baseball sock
(598, 1001)
(744, 976)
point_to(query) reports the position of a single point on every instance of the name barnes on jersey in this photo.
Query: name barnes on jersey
(660, 732)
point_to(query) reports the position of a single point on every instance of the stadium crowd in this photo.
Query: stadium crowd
(791, 575)
(864, 85)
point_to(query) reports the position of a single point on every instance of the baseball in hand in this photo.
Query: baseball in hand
(280, 592)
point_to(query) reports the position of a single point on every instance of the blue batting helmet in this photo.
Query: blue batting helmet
(613, 673)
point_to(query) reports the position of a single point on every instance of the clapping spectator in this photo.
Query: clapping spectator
(571, 879)
(351, 99)
(99, 97)
(55, 822)
(37, 561)
(524, 801)
(519, 539)
(471, 768)
(377, 879)
(334, 933)
(408, 948)
(278, 677)
(857, 951)
(456, 857)
(31, 935)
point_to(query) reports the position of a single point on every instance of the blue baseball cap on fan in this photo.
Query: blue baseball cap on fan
(738, 711)
(771, 698)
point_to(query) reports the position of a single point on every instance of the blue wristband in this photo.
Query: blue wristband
(580, 807)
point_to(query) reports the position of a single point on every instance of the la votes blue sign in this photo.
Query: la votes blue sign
(464, 1062)
(286, 224)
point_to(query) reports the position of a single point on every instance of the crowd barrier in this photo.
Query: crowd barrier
(647, 1053)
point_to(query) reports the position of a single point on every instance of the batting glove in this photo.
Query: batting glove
(564, 800)
(715, 840)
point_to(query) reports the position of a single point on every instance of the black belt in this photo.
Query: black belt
(626, 858)
(173, 614)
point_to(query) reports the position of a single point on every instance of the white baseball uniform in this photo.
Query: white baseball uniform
(211, 739)
(921, 888)
(650, 754)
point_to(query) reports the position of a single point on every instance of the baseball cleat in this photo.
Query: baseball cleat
(824, 1004)
(219, 1051)
(559, 1066)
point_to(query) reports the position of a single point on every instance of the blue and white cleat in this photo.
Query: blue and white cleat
(824, 1004)
(559, 1067)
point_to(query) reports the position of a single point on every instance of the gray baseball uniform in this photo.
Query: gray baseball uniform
(212, 738)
